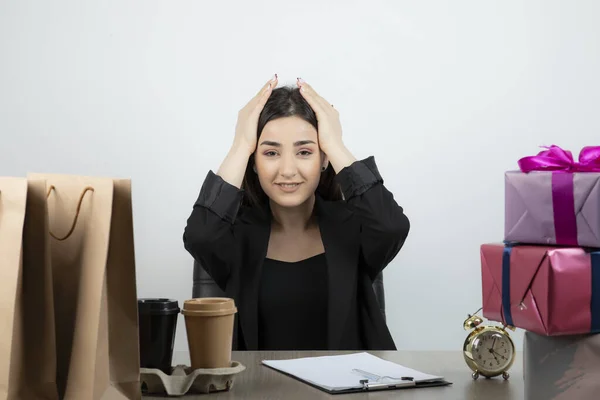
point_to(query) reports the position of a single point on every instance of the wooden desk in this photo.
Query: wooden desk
(260, 382)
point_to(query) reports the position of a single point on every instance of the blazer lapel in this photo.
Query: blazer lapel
(341, 251)
(250, 274)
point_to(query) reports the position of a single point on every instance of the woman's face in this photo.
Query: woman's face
(288, 161)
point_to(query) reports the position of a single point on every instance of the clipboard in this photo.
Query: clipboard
(385, 382)
(354, 379)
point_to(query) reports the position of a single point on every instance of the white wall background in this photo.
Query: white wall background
(446, 94)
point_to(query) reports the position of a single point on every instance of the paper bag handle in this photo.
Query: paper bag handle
(88, 188)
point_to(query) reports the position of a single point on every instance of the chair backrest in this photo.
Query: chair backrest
(205, 286)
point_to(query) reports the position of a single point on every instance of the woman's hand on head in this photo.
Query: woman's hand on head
(329, 125)
(247, 123)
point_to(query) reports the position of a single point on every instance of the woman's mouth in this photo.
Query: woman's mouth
(288, 187)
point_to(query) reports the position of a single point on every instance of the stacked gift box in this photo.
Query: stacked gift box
(545, 277)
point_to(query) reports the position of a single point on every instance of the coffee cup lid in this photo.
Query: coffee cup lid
(209, 307)
(158, 306)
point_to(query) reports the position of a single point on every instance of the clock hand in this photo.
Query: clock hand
(493, 355)
(491, 350)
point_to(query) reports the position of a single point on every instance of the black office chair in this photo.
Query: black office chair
(205, 286)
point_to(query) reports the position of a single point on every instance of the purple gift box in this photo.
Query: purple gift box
(554, 199)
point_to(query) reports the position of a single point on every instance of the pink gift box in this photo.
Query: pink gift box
(543, 289)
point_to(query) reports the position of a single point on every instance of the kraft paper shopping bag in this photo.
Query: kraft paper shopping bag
(27, 340)
(93, 266)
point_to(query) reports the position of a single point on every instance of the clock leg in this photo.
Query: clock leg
(505, 375)
(475, 375)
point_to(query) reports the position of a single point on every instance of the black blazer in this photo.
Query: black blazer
(361, 235)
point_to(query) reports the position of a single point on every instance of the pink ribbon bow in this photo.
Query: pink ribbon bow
(557, 159)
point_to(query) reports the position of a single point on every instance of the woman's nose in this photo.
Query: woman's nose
(288, 168)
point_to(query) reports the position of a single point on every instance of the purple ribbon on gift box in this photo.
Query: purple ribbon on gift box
(562, 165)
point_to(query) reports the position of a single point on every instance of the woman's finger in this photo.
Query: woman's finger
(263, 94)
(306, 88)
(311, 97)
(269, 85)
(266, 92)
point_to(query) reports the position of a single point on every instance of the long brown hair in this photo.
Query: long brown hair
(285, 102)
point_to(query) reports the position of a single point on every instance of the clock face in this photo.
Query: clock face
(492, 351)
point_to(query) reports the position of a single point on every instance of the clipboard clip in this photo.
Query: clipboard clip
(375, 381)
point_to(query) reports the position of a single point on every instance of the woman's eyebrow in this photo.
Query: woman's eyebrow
(303, 142)
(277, 144)
(270, 143)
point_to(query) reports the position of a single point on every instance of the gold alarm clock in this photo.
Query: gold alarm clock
(488, 350)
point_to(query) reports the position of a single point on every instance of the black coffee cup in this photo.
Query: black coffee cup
(157, 326)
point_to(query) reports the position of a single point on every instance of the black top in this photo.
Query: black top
(292, 305)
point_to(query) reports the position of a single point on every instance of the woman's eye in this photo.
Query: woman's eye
(305, 153)
(270, 153)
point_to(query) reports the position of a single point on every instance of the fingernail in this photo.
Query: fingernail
(300, 80)
(274, 78)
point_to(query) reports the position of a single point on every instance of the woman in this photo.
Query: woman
(295, 229)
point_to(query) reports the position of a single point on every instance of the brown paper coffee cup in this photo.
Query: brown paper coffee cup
(209, 326)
